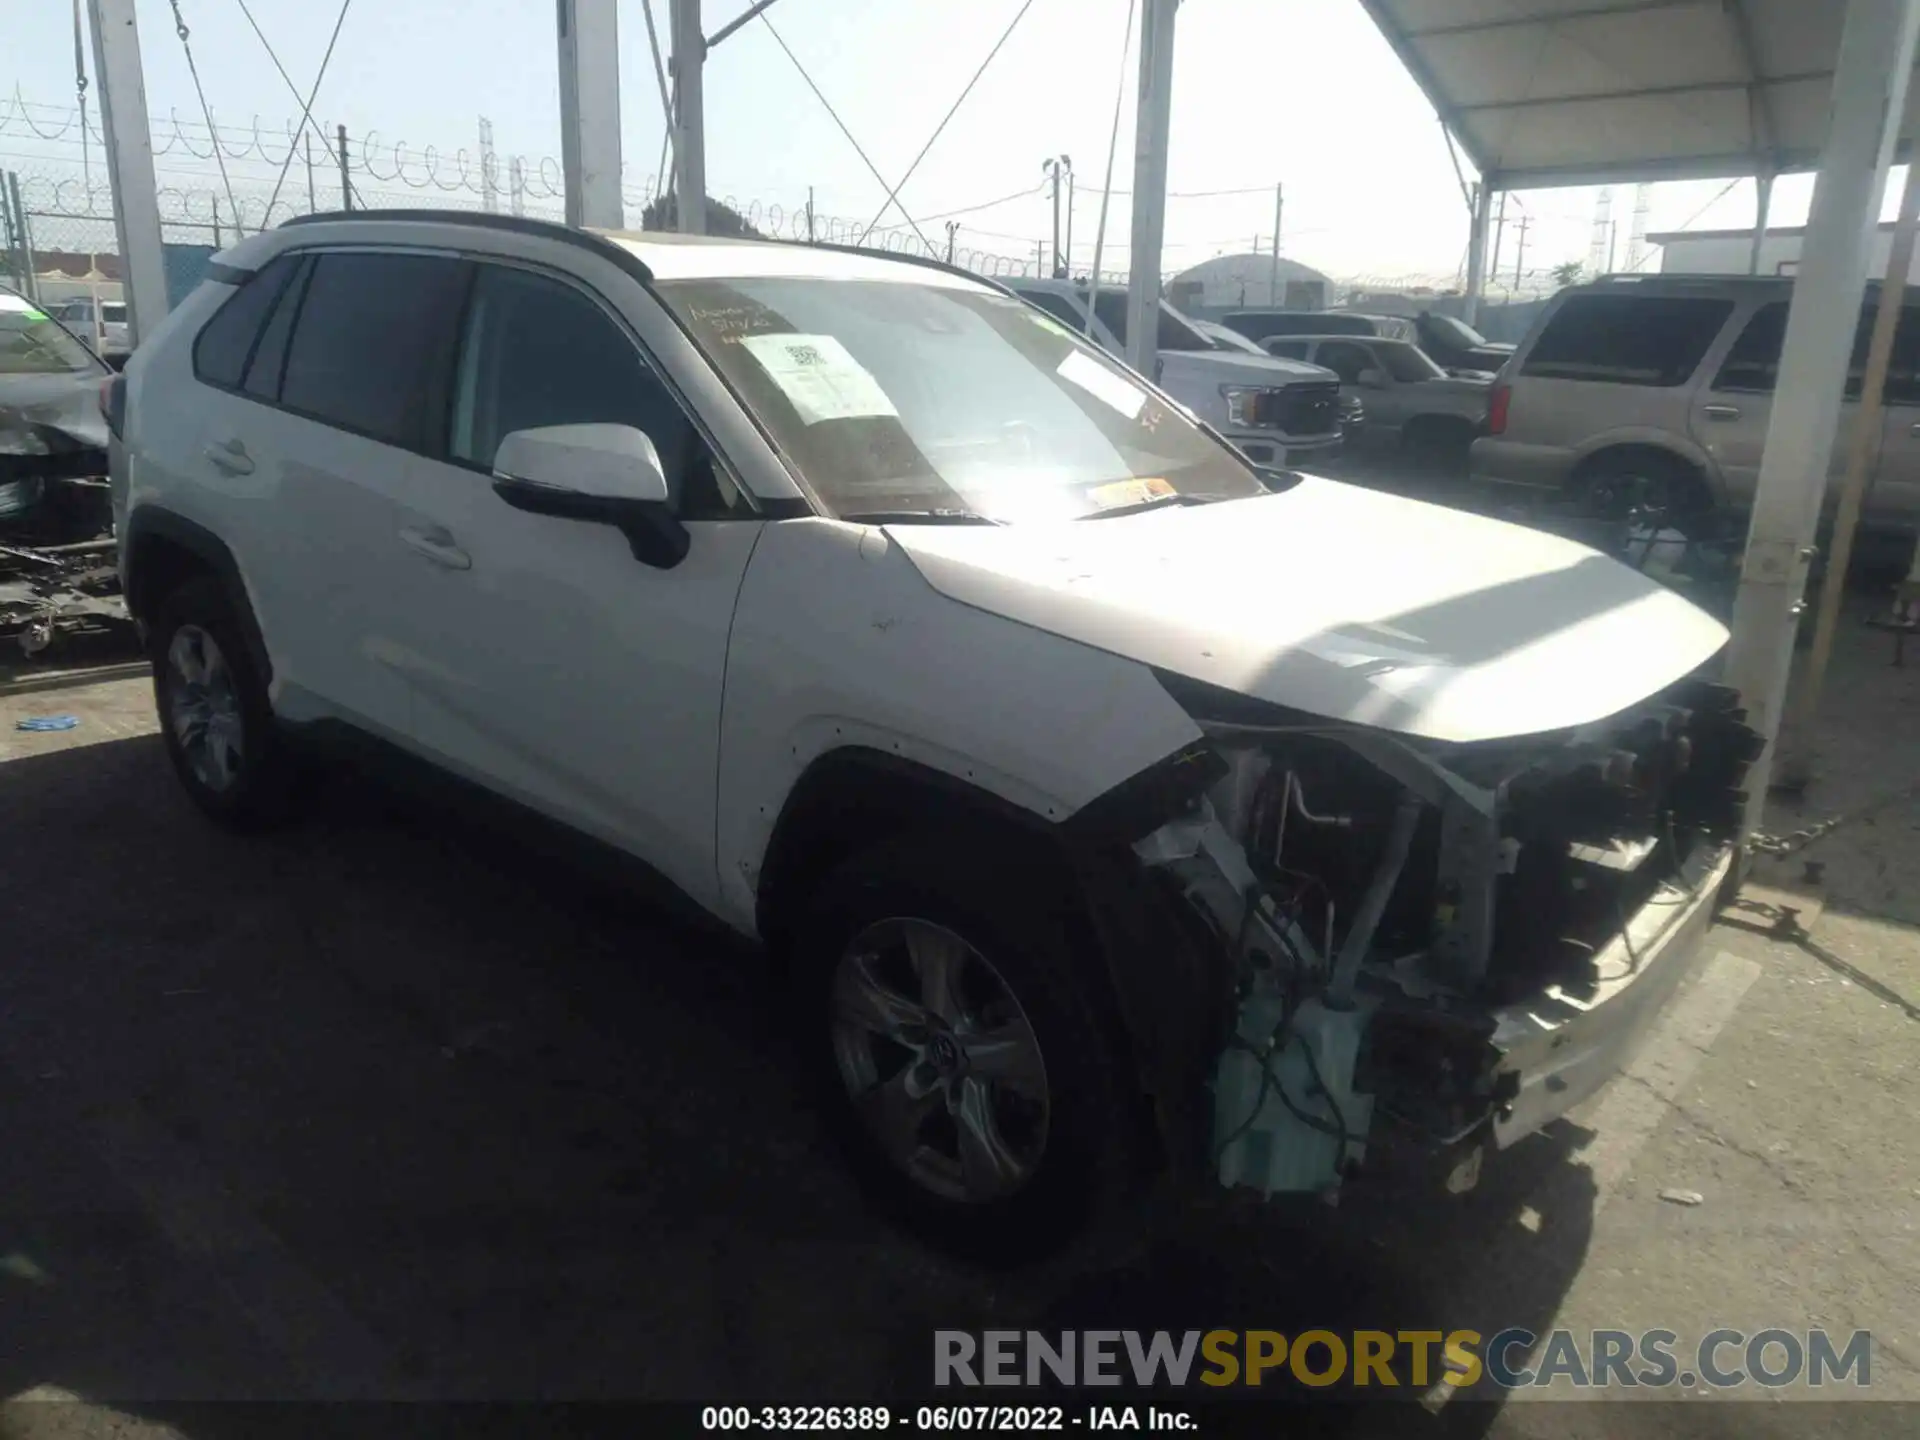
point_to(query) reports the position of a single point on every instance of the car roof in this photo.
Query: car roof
(648, 254)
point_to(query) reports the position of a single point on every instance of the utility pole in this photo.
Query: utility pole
(516, 185)
(1273, 279)
(489, 181)
(312, 203)
(953, 229)
(689, 115)
(1499, 237)
(809, 214)
(1056, 167)
(216, 223)
(346, 171)
(1523, 224)
(136, 200)
(1039, 257)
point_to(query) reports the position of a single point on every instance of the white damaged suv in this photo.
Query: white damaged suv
(1114, 806)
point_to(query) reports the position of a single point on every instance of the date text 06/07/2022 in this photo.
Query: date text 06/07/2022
(933, 1419)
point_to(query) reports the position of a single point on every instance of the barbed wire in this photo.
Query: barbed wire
(393, 173)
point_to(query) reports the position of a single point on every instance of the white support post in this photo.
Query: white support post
(1763, 184)
(1798, 751)
(590, 112)
(136, 202)
(690, 120)
(1868, 101)
(1478, 242)
(1153, 123)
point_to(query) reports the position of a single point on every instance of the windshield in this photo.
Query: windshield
(893, 397)
(1407, 363)
(1457, 331)
(31, 343)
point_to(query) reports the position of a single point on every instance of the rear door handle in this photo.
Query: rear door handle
(436, 543)
(230, 456)
(1721, 412)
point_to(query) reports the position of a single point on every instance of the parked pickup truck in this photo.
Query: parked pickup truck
(1276, 412)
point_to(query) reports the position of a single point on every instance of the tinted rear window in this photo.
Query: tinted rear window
(220, 352)
(1628, 339)
(1753, 364)
(374, 342)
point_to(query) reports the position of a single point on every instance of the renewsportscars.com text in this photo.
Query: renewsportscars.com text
(1511, 1359)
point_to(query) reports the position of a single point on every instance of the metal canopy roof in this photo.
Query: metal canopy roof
(1567, 92)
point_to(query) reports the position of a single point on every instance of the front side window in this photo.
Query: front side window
(1656, 340)
(539, 352)
(369, 347)
(34, 343)
(932, 398)
(1290, 349)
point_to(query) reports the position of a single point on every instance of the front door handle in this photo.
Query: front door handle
(230, 456)
(1721, 412)
(436, 543)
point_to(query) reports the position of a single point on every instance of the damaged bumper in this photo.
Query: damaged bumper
(1447, 945)
(1560, 1048)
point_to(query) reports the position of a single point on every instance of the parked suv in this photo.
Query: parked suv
(1413, 409)
(1278, 413)
(1112, 805)
(1659, 390)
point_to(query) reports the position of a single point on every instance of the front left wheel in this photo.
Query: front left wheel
(215, 717)
(962, 1050)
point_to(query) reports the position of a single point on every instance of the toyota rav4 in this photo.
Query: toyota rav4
(1114, 807)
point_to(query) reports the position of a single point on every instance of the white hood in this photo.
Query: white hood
(1343, 603)
(1227, 367)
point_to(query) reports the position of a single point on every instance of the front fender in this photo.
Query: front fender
(838, 641)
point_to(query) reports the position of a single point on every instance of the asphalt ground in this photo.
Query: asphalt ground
(388, 1108)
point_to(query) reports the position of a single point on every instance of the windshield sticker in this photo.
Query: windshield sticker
(819, 376)
(1101, 383)
(1129, 492)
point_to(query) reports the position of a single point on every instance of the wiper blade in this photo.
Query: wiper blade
(917, 517)
(1152, 502)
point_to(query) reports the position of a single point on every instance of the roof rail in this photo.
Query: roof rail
(482, 220)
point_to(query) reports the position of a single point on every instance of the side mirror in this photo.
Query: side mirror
(602, 474)
(1373, 380)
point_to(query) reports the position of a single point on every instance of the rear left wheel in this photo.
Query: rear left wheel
(215, 718)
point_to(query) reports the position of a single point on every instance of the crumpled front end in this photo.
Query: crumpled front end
(1459, 941)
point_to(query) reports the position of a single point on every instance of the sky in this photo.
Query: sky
(1304, 94)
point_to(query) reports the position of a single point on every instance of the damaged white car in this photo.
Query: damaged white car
(1114, 805)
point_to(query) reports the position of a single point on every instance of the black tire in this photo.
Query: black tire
(1083, 1176)
(263, 788)
(1612, 484)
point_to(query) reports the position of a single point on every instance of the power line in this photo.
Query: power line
(953, 109)
(1026, 194)
(872, 169)
(306, 106)
(219, 156)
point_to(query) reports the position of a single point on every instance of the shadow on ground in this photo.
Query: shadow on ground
(386, 1107)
